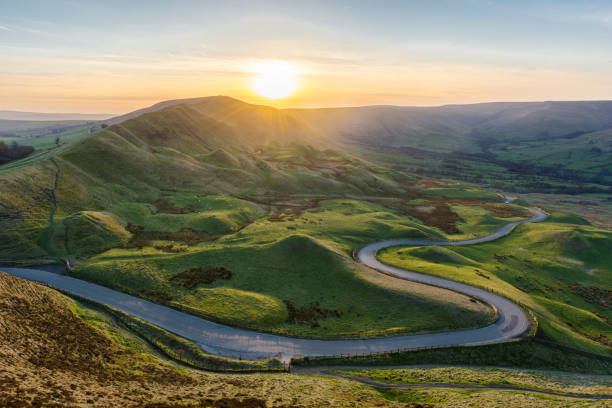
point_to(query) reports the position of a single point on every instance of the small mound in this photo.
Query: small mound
(579, 243)
(235, 306)
(568, 219)
(88, 231)
(301, 246)
(438, 255)
(191, 278)
(222, 158)
(570, 241)
(574, 241)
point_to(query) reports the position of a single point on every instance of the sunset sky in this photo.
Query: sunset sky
(116, 56)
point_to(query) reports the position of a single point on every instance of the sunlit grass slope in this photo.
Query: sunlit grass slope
(303, 260)
(559, 270)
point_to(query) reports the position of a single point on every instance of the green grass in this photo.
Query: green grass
(477, 222)
(537, 265)
(145, 338)
(211, 214)
(464, 191)
(526, 354)
(450, 397)
(85, 233)
(187, 352)
(537, 380)
(256, 207)
(290, 267)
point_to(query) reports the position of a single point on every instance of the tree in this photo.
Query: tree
(57, 141)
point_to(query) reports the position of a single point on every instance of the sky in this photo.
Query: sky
(116, 56)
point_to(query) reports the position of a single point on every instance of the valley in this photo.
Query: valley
(256, 218)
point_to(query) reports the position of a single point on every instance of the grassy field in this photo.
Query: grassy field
(416, 382)
(449, 397)
(134, 207)
(558, 268)
(278, 261)
(170, 345)
(596, 208)
(526, 354)
(537, 380)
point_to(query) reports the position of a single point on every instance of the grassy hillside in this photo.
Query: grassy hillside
(559, 268)
(283, 258)
(558, 147)
(176, 193)
(58, 353)
(221, 209)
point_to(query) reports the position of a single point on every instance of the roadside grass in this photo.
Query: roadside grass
(538, 380)
(560, 271)
(187, 352)
(477, 222)
(526, 354)
(145, 338)
(449, 397)
(590, 208)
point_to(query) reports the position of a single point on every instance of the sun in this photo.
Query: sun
(274, 79)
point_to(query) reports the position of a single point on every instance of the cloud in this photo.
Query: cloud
(5, 28)
(599, 18)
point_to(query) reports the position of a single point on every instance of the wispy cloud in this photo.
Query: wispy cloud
(599, 18)
(5, 28)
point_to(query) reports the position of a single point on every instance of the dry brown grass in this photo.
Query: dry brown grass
(51, 358)
(190, 278)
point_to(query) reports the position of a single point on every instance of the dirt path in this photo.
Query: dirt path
(46, 238)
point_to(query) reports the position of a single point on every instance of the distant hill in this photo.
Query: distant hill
(39, 116)
(496, 121)
(561, 147)
(539, 141)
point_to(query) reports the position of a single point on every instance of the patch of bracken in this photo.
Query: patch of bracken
(308, 314)
(155, 295)
(601, 297)
(171, 248)
(164, 206)
(190, 278)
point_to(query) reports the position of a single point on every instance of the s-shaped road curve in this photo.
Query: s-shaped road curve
(234, 342)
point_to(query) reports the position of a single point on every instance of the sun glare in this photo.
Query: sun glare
(274, 79)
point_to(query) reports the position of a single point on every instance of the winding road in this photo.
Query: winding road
(234, 342)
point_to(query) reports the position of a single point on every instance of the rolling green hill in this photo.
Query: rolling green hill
(529, 147)
(191, 189)
(238, 212)
(560, 269)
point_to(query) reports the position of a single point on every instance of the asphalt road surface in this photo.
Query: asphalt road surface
(234, 342)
